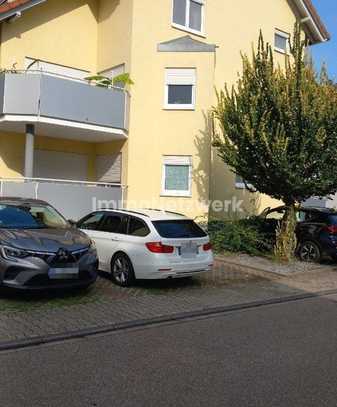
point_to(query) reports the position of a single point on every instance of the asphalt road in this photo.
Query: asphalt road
(276, 355)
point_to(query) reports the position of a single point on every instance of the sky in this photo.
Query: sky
(327, 52)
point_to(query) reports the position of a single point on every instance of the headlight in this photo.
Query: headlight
(11, 253)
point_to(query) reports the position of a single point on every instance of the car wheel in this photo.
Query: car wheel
(122, 270)
(309, 252)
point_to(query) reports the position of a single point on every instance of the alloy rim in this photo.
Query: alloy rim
(309, 252)
(121, 270)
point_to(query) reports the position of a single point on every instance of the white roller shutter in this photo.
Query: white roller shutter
(180, 76)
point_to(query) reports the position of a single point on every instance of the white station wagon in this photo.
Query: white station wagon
(147, 244)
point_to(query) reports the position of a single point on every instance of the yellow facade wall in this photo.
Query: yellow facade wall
(114, 33)
(95, 35)
(12, 152)
(58, 31)
(232, 26)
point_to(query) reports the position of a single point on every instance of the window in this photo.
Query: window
(91, 222)
(178, 229)
(189, 15)
(177, 176)
(25, 216)
(138, 228)
(180, 89)
(114, 223)
(281, 42)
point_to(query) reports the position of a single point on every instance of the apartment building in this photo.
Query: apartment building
(74, 143)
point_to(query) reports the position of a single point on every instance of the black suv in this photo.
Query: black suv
(316, 231)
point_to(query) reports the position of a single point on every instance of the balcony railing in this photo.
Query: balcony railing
(74, 199)
(56, 98)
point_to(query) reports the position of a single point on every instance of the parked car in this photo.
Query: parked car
(316, 231)
(39, 249)
(147, 244)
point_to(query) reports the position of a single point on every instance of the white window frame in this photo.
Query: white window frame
(180, 81)
(182, 160)
(284, 35)
(186, 26)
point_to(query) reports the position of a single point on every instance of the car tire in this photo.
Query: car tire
(309, 252)
(122, 271)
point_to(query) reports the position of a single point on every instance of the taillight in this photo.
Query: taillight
(207, 247)
(159, 247)
(332, 229)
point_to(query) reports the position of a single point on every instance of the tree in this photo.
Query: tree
(278, 131)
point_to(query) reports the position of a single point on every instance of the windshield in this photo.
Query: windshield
(30, 217)
(177, 229)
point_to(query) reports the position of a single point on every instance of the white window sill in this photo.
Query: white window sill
(178, 194)
(189, 30)
(281, 51)
(179, 107)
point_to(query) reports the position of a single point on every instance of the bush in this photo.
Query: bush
(239, 236)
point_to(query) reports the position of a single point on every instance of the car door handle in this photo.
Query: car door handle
(115, 240)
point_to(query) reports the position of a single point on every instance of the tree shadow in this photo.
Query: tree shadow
(216, 182)
(45, 13)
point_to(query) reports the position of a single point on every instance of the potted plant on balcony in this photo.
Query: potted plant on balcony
(102, 81)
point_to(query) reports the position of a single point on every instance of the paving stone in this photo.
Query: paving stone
(107, 304)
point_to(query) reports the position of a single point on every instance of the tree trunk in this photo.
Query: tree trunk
(285, 235)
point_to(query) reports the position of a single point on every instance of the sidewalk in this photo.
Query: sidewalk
(225, 287)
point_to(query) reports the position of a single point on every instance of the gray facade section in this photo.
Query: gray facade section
(73, 201)
(36, 94)
(21, 94)
(71, 100)
(185, 44)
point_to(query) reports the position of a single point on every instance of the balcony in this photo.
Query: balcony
(81, 197)
(62, 107)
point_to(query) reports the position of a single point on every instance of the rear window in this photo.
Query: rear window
(176, 229)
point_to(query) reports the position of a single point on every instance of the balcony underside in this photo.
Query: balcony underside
(64, 129)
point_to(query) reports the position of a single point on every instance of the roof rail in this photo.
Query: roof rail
(163, 210)
(131, 211)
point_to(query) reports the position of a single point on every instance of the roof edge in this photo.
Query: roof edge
(311, 21)
(16, 7)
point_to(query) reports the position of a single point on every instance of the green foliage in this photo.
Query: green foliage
(238, 236)
(279, 126)
(278, 130)
(123, 78)
(104, 82)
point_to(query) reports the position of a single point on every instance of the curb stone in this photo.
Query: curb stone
(257, 271)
